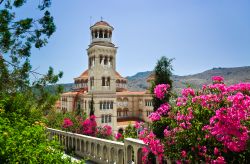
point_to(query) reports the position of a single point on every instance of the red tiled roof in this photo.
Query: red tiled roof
(118, 76)
(85, 74)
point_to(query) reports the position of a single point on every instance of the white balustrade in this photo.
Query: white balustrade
(99, 150)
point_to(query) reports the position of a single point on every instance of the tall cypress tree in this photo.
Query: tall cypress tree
(163, 72)
(92, 110)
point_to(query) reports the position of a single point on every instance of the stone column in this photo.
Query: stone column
(80, 142)
(135, 154)
(93, 61)
(67, 142)
(109, 61)
(102, 62)
(109, 155)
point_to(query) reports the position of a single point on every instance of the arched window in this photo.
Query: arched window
(109, 118)
(105, 34)
(104, 105)
(125, 112)
(101, 34)
(111, 61)
(101, 58)
(96, 34)
(108, 81)
(111, 105)
(108, 103)
(105, 60)
(106, 118)
(91, 81)
(102, 118)
(103, 81)
(119, 113)
(100, 105)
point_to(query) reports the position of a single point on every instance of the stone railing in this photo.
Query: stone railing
(100, 150)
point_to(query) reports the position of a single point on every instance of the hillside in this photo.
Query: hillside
(138, 82)
(231, 75)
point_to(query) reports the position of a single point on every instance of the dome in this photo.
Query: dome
(103, 23)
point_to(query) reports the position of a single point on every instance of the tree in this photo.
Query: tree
(163, 72)
(17, 37)
(24, 101)
(92, 108)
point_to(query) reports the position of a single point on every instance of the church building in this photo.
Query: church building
(104, 88)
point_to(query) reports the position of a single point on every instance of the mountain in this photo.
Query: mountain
(138, 81)
(231, 75)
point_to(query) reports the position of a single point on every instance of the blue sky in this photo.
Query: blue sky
(199, 34)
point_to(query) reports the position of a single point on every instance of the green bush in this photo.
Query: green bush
(23, 135)
(130, 132)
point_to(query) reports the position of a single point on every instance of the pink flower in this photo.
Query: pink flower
(118, 136)
(167, 133)
(160, 90)
(163, 109)
(217, 79)
(89, 126)
(138, 124)
(181, 101)
(216, 151)
(219, 160)
(188, 91)
(154, 116)
(183, 153)
(67, 123)
(178, 162)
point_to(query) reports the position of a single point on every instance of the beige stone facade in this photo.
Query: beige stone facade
(114, 105)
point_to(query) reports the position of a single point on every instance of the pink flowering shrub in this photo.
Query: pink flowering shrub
(119, 137)
(154, 145)
(217, 79)
(161, 90)
(139, 125)
(104, 132)
(161, 111)
(89, 126)
(67, 123)
(209, 125)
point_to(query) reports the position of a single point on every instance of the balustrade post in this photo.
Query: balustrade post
(135, 154)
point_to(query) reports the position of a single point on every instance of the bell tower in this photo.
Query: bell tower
(102, 73)
(101, 59)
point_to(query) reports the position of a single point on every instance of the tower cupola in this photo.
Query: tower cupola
(101, 32)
